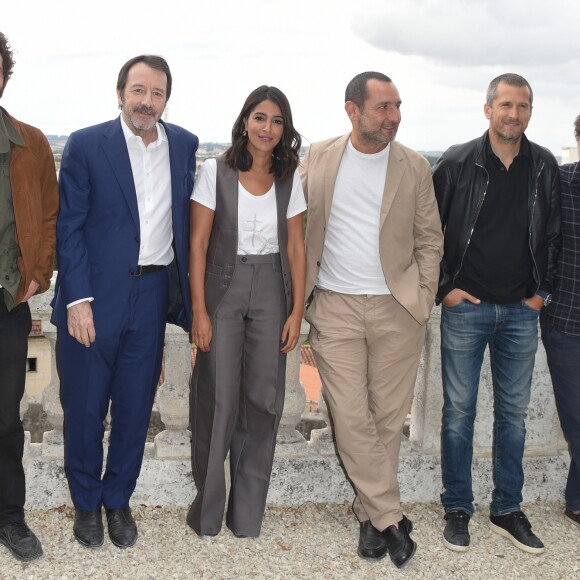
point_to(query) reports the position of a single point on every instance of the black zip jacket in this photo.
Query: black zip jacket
(461, 180)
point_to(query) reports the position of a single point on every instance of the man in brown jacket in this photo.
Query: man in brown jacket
(28, 210)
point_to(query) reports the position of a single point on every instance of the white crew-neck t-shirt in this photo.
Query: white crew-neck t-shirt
(351, 262)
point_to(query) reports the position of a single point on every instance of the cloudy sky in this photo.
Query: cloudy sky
(441, 54)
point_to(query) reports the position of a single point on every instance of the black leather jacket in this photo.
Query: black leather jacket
(461, 180)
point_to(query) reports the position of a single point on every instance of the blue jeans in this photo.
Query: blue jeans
(563, 352)
(511, 332)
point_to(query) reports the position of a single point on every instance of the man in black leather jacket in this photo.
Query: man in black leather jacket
(499, 201)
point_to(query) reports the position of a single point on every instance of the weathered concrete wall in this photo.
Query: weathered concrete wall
(308, 470)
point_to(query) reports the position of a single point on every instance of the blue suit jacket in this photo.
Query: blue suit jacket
(98, 234)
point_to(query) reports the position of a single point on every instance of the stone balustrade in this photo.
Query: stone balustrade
(304, 470)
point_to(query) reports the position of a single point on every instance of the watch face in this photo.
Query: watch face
(547, 299)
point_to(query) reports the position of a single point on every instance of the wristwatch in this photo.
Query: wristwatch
(547, 297)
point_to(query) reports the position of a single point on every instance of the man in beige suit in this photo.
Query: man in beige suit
(374, 244)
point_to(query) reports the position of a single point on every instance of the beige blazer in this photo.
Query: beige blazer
(411, 242)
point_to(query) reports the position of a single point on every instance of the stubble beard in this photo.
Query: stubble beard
(375, 137)
(509, 137)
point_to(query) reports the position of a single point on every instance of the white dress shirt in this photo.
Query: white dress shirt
(152, 176)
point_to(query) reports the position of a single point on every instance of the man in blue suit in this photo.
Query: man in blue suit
(123, 236)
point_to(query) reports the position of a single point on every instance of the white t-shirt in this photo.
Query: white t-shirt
(257, 214)
(351, 261)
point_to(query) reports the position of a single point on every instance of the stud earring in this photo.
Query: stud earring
(244, 133)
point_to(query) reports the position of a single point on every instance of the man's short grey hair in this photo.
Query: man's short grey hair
(511, 79)
(577, 126)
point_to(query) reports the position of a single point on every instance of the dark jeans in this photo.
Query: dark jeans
(14, 330)
(563, 353)
(511, 333)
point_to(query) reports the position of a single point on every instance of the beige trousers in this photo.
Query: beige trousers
(367, 350)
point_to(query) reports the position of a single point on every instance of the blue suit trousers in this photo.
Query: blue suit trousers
(121, 368)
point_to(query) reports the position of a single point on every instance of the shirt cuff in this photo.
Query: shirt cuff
(90, 299)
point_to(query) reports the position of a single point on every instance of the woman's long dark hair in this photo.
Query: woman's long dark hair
(285, 156)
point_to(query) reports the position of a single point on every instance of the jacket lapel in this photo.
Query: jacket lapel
(334, 156)
(115, 150)
(395, 172)
(176, 185)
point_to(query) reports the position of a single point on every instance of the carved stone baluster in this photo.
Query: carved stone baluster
(173, 397)
(52, 441)
(322, 440)
(290, 441)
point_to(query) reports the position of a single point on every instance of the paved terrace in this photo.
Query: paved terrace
(308, 531)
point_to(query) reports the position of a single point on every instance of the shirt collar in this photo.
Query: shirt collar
(8, 133)
(524, 147)
(130, 136)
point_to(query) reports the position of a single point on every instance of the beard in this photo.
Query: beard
(509, 137)
(139, 123)
(375, 135)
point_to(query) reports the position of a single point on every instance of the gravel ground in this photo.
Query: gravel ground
(313, 541)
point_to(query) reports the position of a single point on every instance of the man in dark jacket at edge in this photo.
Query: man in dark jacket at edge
(560, 324)
(499, 200)
(28, 209)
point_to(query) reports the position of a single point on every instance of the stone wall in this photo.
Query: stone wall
(304, 470)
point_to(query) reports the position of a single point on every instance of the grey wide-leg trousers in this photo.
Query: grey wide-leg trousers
(236, 400)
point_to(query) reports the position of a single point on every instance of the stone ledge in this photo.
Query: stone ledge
(297, 480)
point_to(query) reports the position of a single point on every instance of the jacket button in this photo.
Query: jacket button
(7, 277)
(244, 259)
(137, 240)
(318, 264)
(131, 272)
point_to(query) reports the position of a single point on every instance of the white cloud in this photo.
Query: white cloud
(473, 32)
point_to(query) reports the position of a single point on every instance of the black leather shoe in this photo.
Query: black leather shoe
(21, 541)
(371, 543)
(88, 528)
(400, 546)
(406, 524)
(122, 527)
